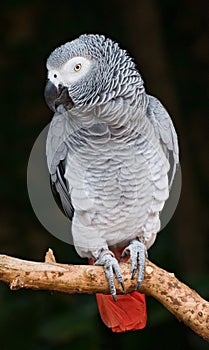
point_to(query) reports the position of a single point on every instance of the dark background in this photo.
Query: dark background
(169, 41)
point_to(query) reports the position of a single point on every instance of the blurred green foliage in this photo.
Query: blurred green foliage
(175, 31)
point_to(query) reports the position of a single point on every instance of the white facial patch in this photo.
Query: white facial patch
(71, 71)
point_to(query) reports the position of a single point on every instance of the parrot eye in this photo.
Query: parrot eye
(55, 75)
(77, 67)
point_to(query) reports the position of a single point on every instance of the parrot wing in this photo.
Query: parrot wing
(165, 131)
(56, 151)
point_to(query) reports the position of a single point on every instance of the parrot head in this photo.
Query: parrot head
(88, 70)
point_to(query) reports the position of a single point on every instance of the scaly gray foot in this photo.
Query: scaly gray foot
(111, 267)
(137, 252)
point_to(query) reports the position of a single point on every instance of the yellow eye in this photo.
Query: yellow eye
(77, 67)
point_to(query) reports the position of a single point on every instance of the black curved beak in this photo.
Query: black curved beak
(57, 96)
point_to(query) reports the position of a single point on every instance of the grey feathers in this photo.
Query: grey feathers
(113, 156)
(113, 71)
(165, 132)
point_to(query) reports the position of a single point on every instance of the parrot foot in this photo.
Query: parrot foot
(111, 266)
(137, 252)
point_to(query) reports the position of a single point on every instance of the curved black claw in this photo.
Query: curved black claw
(111, 266)
(137, 252)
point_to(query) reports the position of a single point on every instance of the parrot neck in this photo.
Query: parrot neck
(125, 118)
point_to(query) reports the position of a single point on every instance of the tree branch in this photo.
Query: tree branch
(178, 298)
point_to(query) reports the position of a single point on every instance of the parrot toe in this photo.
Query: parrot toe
(137, 252)
(111, 267)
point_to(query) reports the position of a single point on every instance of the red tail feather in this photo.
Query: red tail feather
(127, 313)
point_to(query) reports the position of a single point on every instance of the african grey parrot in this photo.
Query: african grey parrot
(112, 154)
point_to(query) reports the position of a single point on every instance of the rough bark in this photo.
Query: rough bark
(177, 297)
